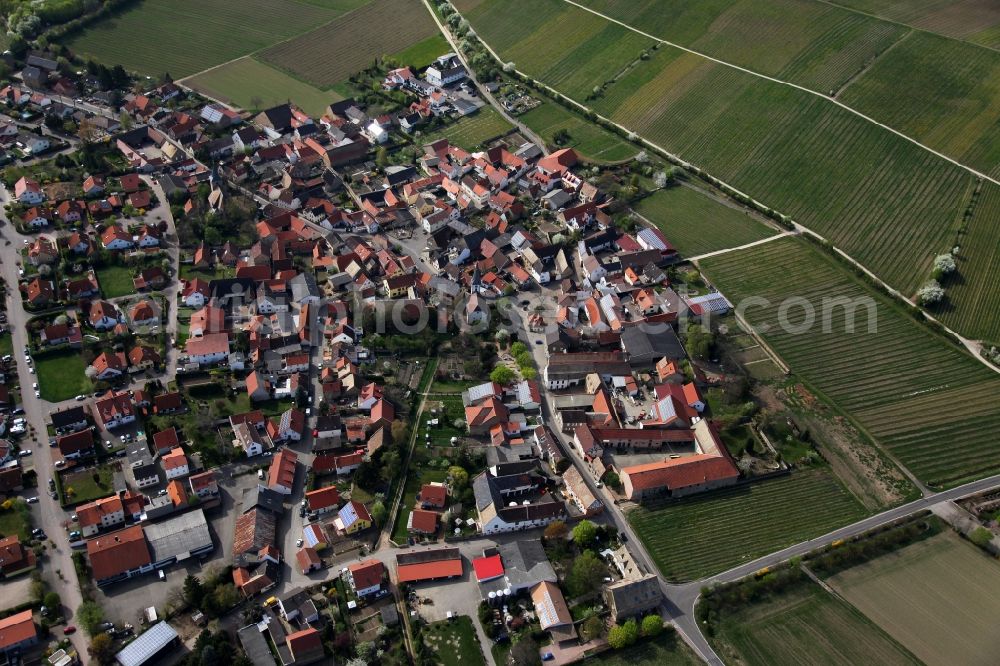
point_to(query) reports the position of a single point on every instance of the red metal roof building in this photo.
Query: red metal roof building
(488, 568)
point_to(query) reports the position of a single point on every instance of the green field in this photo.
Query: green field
(907, 387)
(87, 485)
(943, 92)
(251, 84)
(887, 202)
(804, 625)
(667, 649)
(61, 375)
(712, 532)
(695, 223)
(976, 21)
(424, 52)
(566, 47)
(937, 597)
(115, 281)
(451, 408)
(591, 141)
(454, 642)
(472, 131)
(13, 521)
(186, 36)
(813, 44)
(973, 296)
(332, 52)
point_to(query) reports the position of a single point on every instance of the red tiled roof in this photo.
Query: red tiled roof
(302, 642)
(166, 439)
(307, 558)
(175, 459)
(78, 441)
(202, 480)
(168, 401)
(118, 552)
(282, 470)
(433, 495)
(681, 472)
(422, 521)
(323, 498)
(16, 629)
(91, 513)
(177, 493)
(366, 574)
(14, 556)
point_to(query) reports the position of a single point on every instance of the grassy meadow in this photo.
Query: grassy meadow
(472, 131)
(186, 36)
(251, 84)
(592, 141)
(332, 52)
(696, 223)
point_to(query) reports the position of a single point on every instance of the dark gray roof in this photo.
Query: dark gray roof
(525, 563)
(264, 498)
(279, 116)
(179, 537)
(255, 646)
(508, 453)
(632, 597)
(303, 285)
(644, 346)
(68, 416)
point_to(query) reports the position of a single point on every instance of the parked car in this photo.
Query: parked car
(31, 500)
(69, 630)
(24, 453)
(81, 398)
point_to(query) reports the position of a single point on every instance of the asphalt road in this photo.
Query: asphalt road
(56, 565)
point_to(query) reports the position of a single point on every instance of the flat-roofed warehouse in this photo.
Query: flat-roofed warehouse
(150, 644)
(179, 538)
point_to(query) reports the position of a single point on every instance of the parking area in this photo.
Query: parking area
(123, 601)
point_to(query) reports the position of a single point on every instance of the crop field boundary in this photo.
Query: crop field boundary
(253, 54)
(868, 66)
(971, 346)
(970, 169)
(905, 25)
